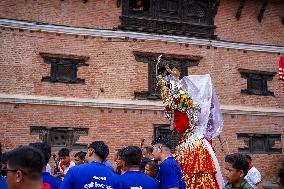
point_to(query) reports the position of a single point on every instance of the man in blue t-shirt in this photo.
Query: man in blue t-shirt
(170, 175)
(92, 175)
(45, 149)
(133, 177)
(3, 183)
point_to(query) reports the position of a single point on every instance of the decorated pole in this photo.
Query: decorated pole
(281, 71)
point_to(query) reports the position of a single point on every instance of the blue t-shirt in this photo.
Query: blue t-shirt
(108, 164)
(92, 175)
(170, 175)
(137, 179)
(3, 183)
(51, 180)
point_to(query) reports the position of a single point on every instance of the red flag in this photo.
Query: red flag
(281, 70)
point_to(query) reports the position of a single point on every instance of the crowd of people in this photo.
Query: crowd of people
(28, 167)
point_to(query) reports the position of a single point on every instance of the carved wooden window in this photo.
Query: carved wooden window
(163, 132)
(177, 17)
(178, 61)
(63, 68)
(260, 143)
(59, 137)
(257, 82)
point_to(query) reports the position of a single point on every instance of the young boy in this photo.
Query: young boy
(151, 169)
(236, 167)
(65, 162)
(80, 158)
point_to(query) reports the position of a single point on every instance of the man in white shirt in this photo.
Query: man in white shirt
(65, 162)
(253, 176)
(48, 168)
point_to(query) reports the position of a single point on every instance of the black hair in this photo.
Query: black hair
(27, 159)
(100, 148)
(143, 163)
(162, 141)
(281, 176)
(45, 149)
(248, 157)
(153, 164)
(81, 155)
(238, 161)
(63, 152)
(119, 153)
(132, 155)
(4, 158)
(148, 149)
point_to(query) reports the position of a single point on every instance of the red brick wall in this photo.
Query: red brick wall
(248, 29)
(105, 14)
(112, 67)
(93, 14)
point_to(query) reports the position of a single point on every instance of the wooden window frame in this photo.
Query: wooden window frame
(268, 141)
(57, 60)
(263, 76)
(72, 136)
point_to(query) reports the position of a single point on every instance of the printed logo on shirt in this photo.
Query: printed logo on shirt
(87, 186)
(140, 187)
(96, 184)
(99, 178)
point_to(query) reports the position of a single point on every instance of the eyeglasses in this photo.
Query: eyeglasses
(4, 172)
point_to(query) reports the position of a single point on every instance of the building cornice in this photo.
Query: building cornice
(128, 104)
(34, 26)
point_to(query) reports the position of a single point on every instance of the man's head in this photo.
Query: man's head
(80, 158)
(147, 152)
(44, 148)
(24, 167)
(161, 148)
(64, 155)
(97, 151)
(131, 156)
(236, 167)
(249, 159)
(139, 3)
(151, 169)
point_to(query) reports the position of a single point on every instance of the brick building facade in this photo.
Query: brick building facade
(77, 71)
